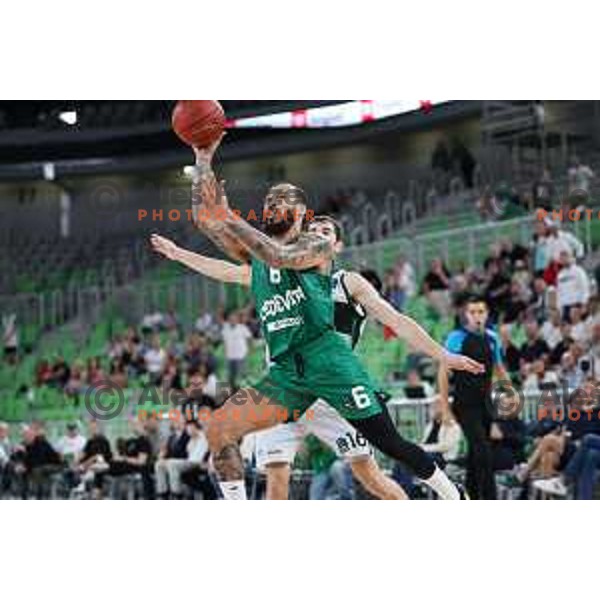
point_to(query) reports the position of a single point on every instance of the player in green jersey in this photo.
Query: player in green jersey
(291, 285)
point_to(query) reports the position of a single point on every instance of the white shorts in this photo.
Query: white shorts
(280, 443)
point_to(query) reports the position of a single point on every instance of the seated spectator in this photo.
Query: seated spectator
(76, 384)
(512, 355)
(40, 461)
(570, 371)
(551, 330)
(544, 300)
(534, 347)
(497, 289)
(95, 458)
(94, 372)
(441, 439)
(60, 373)
(332, 478)
(536, 377)
(43, 373)
(516, 305)
(581, 326)
(118, 373)
(70, 447)
(195, 472)
(564, 345)
(436, 287)
(507, 436)
(5, 455)
(572, 285)
(172, 459)
(155, 359)
(134, 455)
(415, 387)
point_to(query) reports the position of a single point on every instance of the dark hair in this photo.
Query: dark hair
(339, 230)
(474, 299)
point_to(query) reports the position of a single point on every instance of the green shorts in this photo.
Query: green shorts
(325, 368)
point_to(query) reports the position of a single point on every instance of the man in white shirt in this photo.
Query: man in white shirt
(195, 474)
(155, 359)
(572, 285)
(559, 240)
(236, 339)
(71, 445)
(579, 176)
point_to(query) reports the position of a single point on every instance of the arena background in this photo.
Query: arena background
(422, 180)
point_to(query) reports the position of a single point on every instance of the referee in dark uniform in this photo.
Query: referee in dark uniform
(472, 394)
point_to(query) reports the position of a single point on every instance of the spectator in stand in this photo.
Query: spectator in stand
(572, 285)
(195, 473)
(551, 330)
(94, 372)
(507, 435)
(441, 439)
(392, 291)
(70, 447)
(559, 241)
(581, 326)
(543, 191)
(134, 455)
(535, 347)
(564, 345)
(172, 376)
(515, 306)
(95, 458)
(405, 280)
(497, 290)
(155, 359)
(236, 340)
(10, 338)
(5, 455)
(579, 175)
(60, 373)
(436, 287)
(118, 373)
(512, 253)
(539, 248)
(171, 461)
(196, 355)
(544, 300)
(415, 387)
(40, 462)
(511, 353)
(536, 377)
(570, 372)
(76, 383)
(43, 373)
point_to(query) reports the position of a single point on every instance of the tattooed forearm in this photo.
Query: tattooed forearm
(308, 251)
(228, 463)
(216, 232)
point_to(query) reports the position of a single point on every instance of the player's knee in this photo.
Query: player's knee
(278, 476)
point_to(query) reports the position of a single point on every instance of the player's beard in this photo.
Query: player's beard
(279, 225)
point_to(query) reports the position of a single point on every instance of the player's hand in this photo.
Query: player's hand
(458, 362)
(163, 246)
(205, 155)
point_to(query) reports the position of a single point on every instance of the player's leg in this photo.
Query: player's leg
(336, 375)
(379, 430)
(275, 452)
(246, 411)
(326, 423)
(375, 481)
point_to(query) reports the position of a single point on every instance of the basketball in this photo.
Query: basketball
(198, 123)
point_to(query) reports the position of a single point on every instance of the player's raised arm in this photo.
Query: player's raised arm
(405, 327)
(223, 239)
(221, 270)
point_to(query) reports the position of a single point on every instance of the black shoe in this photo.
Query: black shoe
(463, 492)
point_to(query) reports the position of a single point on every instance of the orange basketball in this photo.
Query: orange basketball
(198, 123)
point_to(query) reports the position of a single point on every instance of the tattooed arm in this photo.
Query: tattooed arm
(222, 238)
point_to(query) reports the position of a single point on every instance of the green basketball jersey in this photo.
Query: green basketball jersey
(294, 307)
